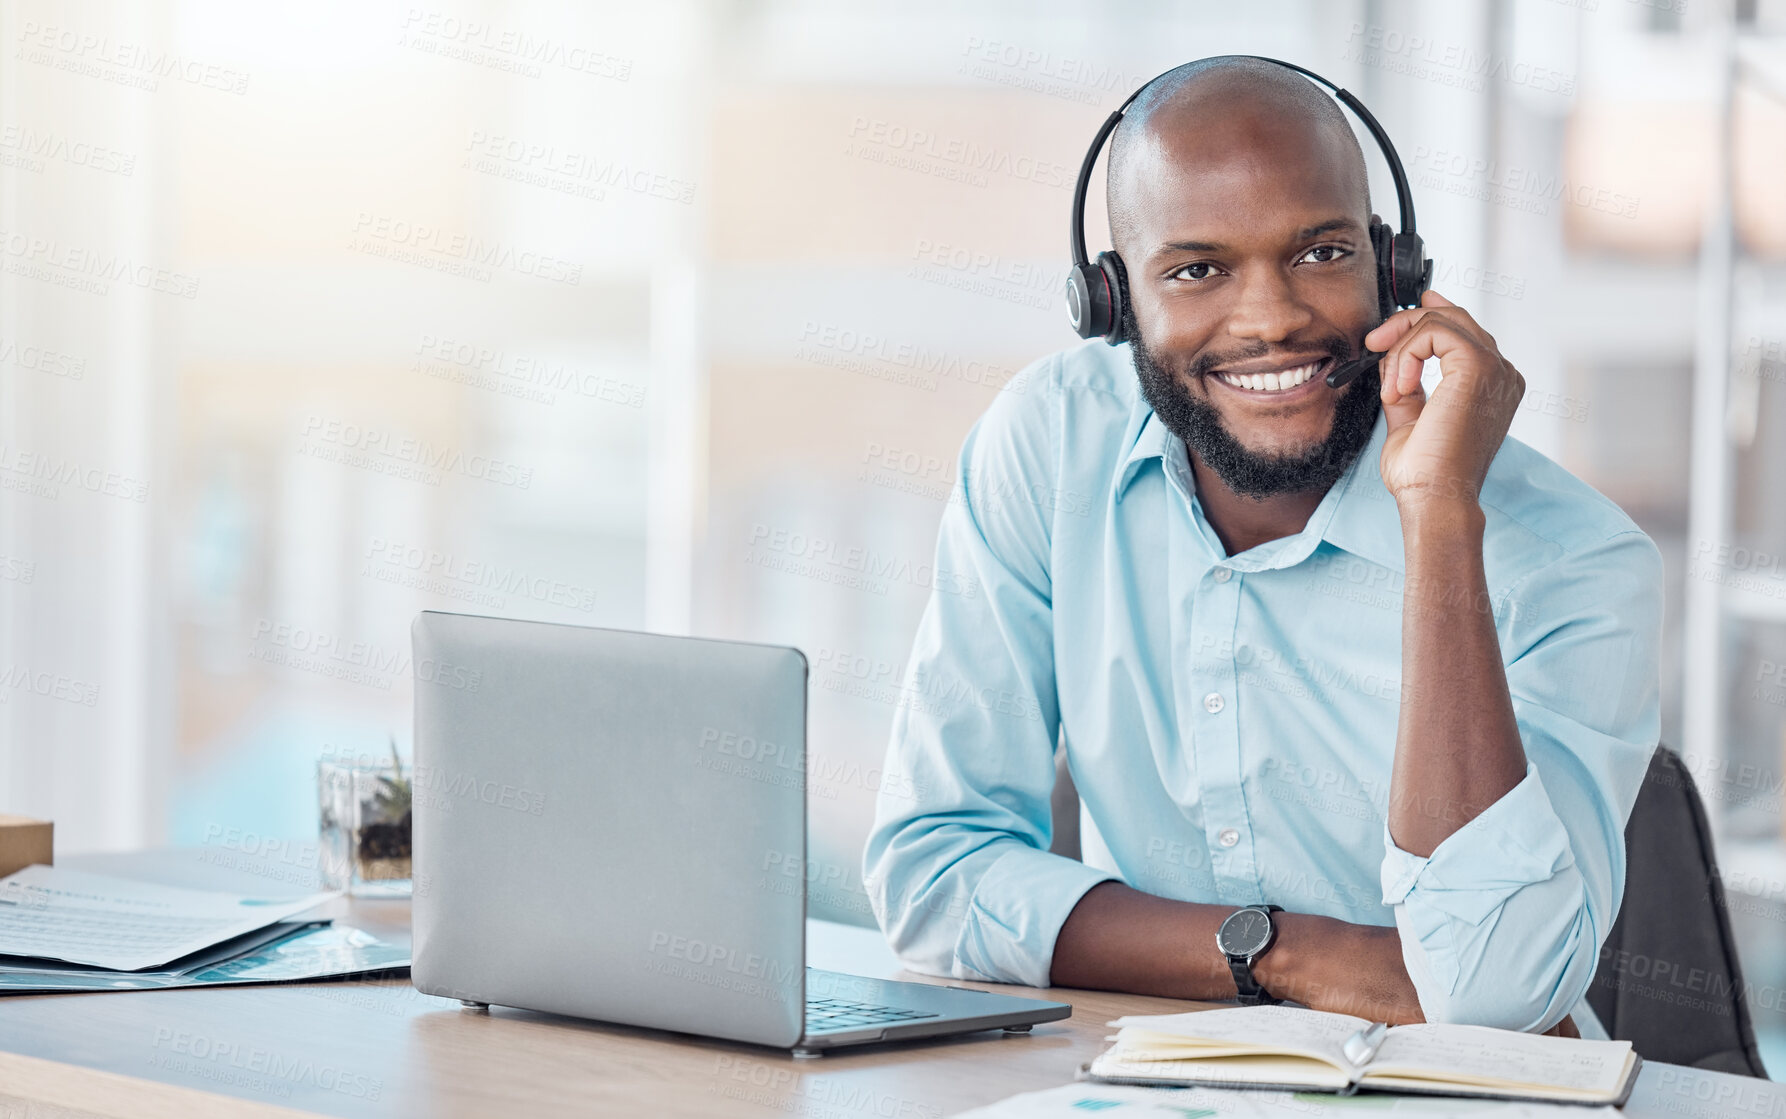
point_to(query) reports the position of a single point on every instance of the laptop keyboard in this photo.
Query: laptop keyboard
(840, 1014)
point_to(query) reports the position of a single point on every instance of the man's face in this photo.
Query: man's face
(1250, 275)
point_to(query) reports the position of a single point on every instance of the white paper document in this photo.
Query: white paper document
(123, 924)
(1075, 1101)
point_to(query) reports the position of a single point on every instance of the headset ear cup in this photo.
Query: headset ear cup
(1116, 275)
(1383, 245)
(1088, 300)
(1413, 272)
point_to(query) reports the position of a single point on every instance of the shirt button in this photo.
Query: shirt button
(1213, 702)
(1227, 837)
(1223, 574)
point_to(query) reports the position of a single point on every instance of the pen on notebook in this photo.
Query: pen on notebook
(1363, 1045)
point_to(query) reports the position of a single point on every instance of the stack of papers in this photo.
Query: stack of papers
(65, 930)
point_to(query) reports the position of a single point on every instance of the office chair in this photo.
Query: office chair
(1669, 980)
(1696, 1013)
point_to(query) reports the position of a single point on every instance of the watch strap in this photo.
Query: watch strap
(1251, 994)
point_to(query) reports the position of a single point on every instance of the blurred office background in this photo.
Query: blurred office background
(673, 315)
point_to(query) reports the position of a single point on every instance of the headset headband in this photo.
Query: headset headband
(1403, 196)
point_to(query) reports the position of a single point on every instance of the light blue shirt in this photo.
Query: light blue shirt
(1230, 721)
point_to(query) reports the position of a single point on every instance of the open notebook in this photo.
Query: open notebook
(1307, 1050)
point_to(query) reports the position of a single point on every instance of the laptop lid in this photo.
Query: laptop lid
(594, 810)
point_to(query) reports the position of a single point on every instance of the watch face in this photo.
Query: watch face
(1244, 933)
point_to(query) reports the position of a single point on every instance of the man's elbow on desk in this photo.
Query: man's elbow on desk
(991, 916)
(928, 943)
(922, 921)
(1523, 967)
(1499, 925)
(914, 935)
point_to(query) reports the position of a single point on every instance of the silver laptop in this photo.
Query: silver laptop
(603, 825)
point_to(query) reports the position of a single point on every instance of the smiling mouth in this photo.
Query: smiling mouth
(1282, 380)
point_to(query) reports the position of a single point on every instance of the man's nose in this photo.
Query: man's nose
(1267, 308)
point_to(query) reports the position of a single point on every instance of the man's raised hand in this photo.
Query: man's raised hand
(1439, 449)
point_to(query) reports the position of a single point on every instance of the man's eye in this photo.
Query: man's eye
(1325, 254)
(1198, 271)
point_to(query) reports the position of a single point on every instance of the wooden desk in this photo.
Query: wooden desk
(381, 1049)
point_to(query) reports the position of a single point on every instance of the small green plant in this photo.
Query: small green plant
(395, 793)
(383, 850)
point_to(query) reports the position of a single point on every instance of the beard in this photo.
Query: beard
(1256, 474)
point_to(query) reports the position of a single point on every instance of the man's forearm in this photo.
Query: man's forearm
(1457, 747)
(1120, 939)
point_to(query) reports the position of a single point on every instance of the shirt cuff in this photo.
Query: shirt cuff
(1514, 842)
(1018, 907)
(1445, 898)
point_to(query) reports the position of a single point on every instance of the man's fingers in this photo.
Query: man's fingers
(1404, 409)
(1397, 326)
(1436, 334)
(1390, 330)
(1436, 328)
(1456, 314)
(1403, 363)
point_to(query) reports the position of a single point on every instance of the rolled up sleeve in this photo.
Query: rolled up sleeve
(956, 865)
(1502, 924)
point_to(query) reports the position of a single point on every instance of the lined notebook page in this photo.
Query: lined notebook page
(1284, 1028)
(1455, 1053)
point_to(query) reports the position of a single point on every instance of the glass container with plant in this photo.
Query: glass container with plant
(365, 809)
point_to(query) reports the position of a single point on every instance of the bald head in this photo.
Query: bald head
(1229, 110)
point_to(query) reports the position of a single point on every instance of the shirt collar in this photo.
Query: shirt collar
(1357, 514)
(1150, 442)
(1366, 521)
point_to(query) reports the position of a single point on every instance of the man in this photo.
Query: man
(1351, 652)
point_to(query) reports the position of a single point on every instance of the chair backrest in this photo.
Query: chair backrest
(1668, 979)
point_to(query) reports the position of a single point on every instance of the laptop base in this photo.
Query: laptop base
(801, 1052)
(915, 1010)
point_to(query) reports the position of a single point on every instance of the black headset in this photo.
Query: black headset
(1097, 292)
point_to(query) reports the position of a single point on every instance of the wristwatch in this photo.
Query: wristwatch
(1245, 936)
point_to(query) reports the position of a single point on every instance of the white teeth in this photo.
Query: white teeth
(1272, 382)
